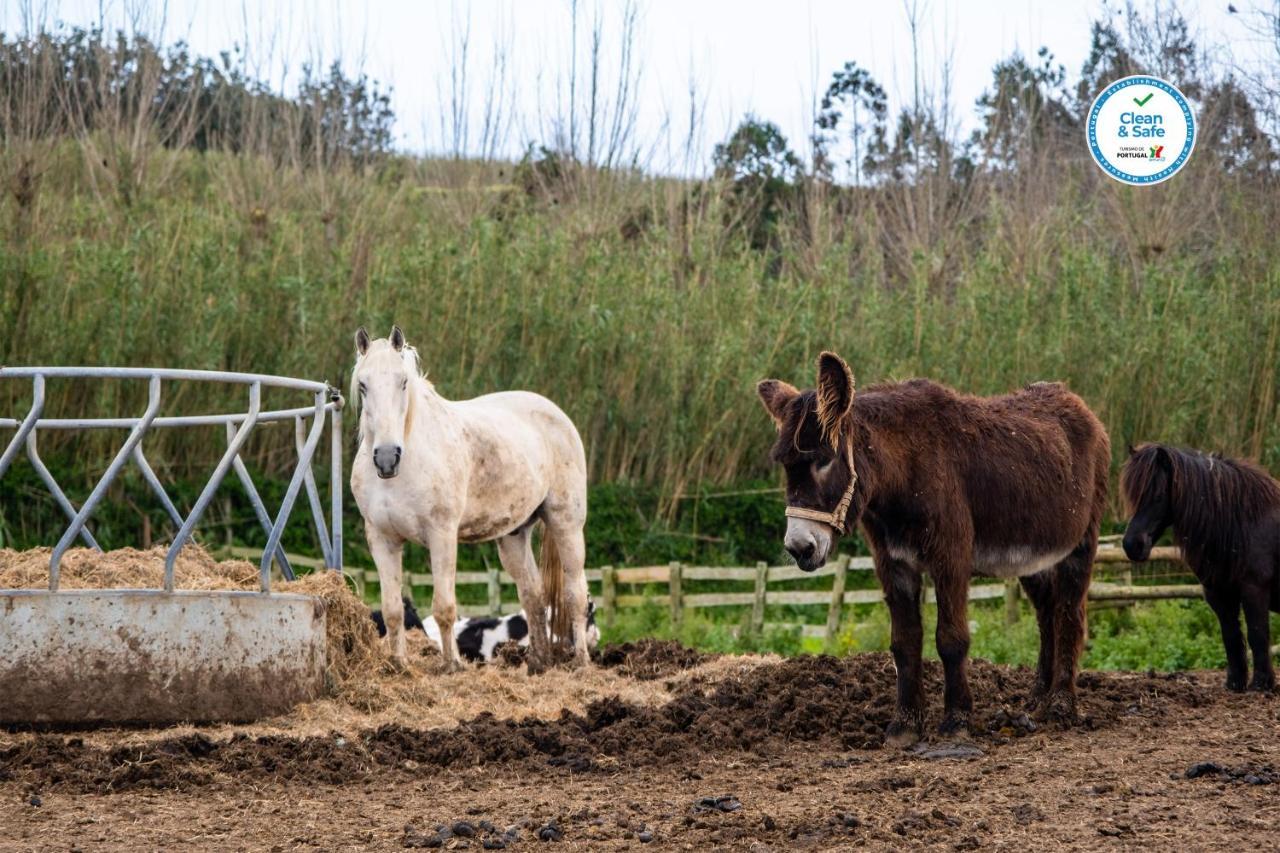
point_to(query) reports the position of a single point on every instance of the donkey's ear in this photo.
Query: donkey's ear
(362, 341)
(397, 338)
(776, 394)
(835, 394)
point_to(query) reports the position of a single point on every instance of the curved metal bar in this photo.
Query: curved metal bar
(33, 455)
(215, 480)
(259, 508)
(264, 379)
(154, 482)
(291, 494)
(91, 503)
(336, 483)
(313, 495)
(28, 424)
(169, 422)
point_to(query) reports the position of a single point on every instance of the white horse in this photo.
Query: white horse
(470, 471)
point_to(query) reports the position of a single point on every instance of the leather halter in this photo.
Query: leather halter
(837, 517)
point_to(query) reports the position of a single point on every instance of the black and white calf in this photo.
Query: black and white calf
(478, 636)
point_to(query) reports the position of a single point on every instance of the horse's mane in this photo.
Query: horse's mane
(1215, 501)
(412, 367)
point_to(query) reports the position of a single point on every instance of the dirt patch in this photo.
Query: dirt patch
(743, 754)
(649, 659)
(738, 753)
(834, 704)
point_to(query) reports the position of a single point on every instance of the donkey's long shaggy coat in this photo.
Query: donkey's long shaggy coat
(954, 486)
(1225, 515)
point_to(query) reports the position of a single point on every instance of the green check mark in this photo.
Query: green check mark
(1143, 102)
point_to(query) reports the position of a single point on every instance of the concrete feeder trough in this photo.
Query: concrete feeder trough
(149, 656)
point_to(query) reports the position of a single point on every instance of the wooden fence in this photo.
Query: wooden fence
(619, 588)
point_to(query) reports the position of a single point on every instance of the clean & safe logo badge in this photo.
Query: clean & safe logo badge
(1141, 130)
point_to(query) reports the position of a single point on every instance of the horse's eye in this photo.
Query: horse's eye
(404, 383)
(823, 467)
(361, 389)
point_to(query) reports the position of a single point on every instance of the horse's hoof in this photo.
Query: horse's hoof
(1263, 685)
(900, 735)
(535, 664)
(395, 665)
(449, 667)
(1235, 682)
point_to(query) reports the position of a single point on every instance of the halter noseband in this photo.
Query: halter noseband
(835, 518)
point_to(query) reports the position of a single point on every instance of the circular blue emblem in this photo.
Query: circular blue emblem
(1141, 130)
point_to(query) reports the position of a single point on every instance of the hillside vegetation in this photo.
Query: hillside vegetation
(647, 307)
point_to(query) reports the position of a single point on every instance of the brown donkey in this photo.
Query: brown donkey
(952, 485)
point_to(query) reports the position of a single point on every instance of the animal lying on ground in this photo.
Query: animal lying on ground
(478, 636)
(1225, 516)
(956, 486)
(439, 472)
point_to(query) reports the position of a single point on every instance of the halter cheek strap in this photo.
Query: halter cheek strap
(837, 517)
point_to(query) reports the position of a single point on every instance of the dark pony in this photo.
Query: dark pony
(1225, 515)
(955, 486)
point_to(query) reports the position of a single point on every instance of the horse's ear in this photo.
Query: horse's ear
(1164, 459)
(1132, 449)
(362, 341)
(776, 394)
(835, 395)
(397, 338)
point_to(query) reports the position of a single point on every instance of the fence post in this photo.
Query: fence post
(677, 597)
(757, 607)
(609, 593)
(1011, 609)
(495, 592)
(836, 608)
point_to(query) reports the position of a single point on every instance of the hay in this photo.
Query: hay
(125, 568)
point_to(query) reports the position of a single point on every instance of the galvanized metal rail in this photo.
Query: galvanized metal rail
(327, 401)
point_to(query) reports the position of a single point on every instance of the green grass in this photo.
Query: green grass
(1166, 636)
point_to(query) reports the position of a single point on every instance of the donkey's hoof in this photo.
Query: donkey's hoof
(954, 727)
(1058, 707)
(901, 735)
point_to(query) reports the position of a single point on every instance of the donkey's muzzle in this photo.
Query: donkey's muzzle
(387, 460)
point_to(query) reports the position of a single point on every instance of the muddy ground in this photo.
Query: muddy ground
(735, 753)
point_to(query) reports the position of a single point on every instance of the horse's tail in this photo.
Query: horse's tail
(553, 588)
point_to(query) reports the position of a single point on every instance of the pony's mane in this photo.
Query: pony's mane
(1214, 500)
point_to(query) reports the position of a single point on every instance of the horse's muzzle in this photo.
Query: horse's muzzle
(1138, 548)
(387, 460)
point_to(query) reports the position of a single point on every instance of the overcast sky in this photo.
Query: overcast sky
(772, 59)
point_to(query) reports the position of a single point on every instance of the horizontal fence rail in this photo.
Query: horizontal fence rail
(606, 583)
(326, 405)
